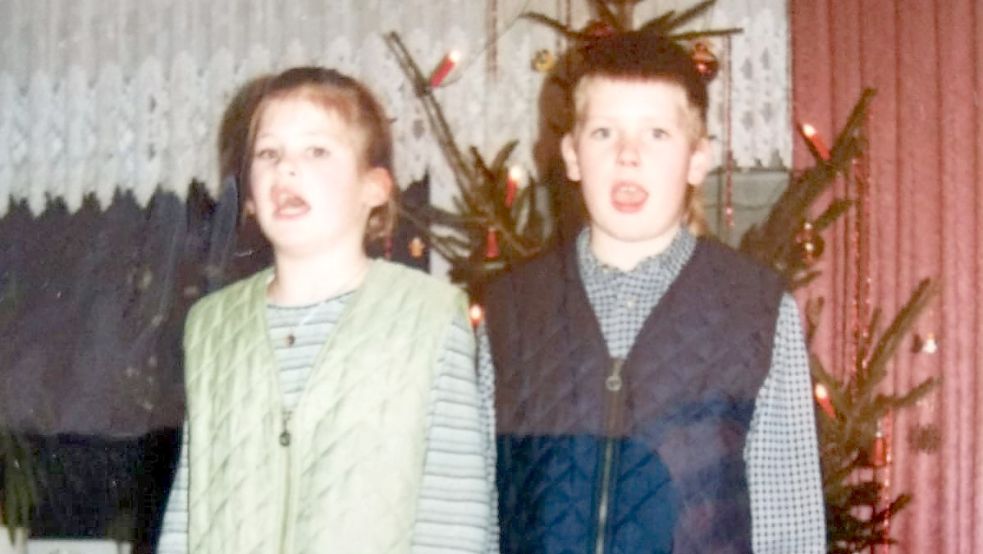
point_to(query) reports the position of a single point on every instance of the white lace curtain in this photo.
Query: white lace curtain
(98, 96)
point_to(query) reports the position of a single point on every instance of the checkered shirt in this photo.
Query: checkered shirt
(781, 452)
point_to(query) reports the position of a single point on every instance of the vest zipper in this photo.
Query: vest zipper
(287, 492)
(285, 433)
(613, 383)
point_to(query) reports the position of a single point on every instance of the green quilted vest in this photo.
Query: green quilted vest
(349, 479)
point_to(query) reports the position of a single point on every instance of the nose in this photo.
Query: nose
(627, 151)
(286, 166)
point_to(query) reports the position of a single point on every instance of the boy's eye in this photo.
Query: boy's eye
(317, 151)
(600, 133)
(659, 133)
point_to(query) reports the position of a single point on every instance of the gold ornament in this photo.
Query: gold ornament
(544, 61)
(417, 247)
(810, 245)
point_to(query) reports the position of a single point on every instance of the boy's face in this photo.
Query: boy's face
(309, 190)
(634, 152)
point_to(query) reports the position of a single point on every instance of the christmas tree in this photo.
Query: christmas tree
(494, 226)
(852, 404)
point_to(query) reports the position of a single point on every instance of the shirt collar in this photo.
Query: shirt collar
(669, 260)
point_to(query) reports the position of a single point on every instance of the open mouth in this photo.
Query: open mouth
(628, 197)
(287, 205)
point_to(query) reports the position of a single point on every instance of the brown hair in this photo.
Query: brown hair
(356, 106)
(646, 56)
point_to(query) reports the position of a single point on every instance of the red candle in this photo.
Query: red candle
(817, 142)
(822, 398)
(878, 452)
(491, 245)
(512, 185)
(476, 314)
(445, 67)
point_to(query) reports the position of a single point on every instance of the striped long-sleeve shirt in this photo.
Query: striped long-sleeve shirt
(454, 515)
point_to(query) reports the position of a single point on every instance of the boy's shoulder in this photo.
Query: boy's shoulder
(724, 258)
(547, 264)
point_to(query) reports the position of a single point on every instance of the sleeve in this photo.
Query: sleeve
(456, 512)
(782, 452)
(486, 384)
(174, 529)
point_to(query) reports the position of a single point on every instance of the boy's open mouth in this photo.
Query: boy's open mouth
(628, 197)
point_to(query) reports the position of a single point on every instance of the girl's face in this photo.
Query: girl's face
(310, 190)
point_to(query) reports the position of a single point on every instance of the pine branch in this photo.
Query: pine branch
(607, 16)
(771, 242)
(567, 32)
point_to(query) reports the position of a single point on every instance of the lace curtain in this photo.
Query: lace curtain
(101, 95)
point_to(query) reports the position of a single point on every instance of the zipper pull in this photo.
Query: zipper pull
(285, 434)
(613, 381)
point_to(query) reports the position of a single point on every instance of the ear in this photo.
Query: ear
(699, 162)
(377, 187)
(569, 152)
(249, 207)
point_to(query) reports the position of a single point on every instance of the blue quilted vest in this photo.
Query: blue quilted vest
(645, 454)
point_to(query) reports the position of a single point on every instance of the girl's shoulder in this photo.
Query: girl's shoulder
(238, 295)
(403, 276)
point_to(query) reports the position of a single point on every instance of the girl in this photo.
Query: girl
(333, 404)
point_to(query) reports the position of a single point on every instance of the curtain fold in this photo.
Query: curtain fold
(925, 59)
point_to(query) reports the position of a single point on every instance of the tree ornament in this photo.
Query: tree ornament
(416, 247)
(544, 61)
(809, 244)
(706, 62)
(491, 245)
(878, 454)
(596, 28)
(926, 344)
(822, 398)
(925, 438)
(476, 314)
(446, 65)
(512, 181)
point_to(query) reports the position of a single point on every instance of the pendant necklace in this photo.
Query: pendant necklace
(291, 334)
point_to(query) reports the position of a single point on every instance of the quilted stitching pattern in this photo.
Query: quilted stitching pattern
(357, 432)
(692, 378)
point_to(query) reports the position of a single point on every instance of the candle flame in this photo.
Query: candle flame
(476, 313)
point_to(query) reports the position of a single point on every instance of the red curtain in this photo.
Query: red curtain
(925, 59)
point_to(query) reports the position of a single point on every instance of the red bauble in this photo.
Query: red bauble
(706, 62)
(596, 28)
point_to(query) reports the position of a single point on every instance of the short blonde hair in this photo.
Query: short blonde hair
(646, 57)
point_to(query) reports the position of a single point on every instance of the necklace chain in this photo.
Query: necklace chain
(291, 338)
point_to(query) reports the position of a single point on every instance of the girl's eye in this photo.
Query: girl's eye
(659, 133)
(600, 133)
(317, 151)
(265, 154)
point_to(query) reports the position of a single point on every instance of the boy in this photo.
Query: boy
(653, 392)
